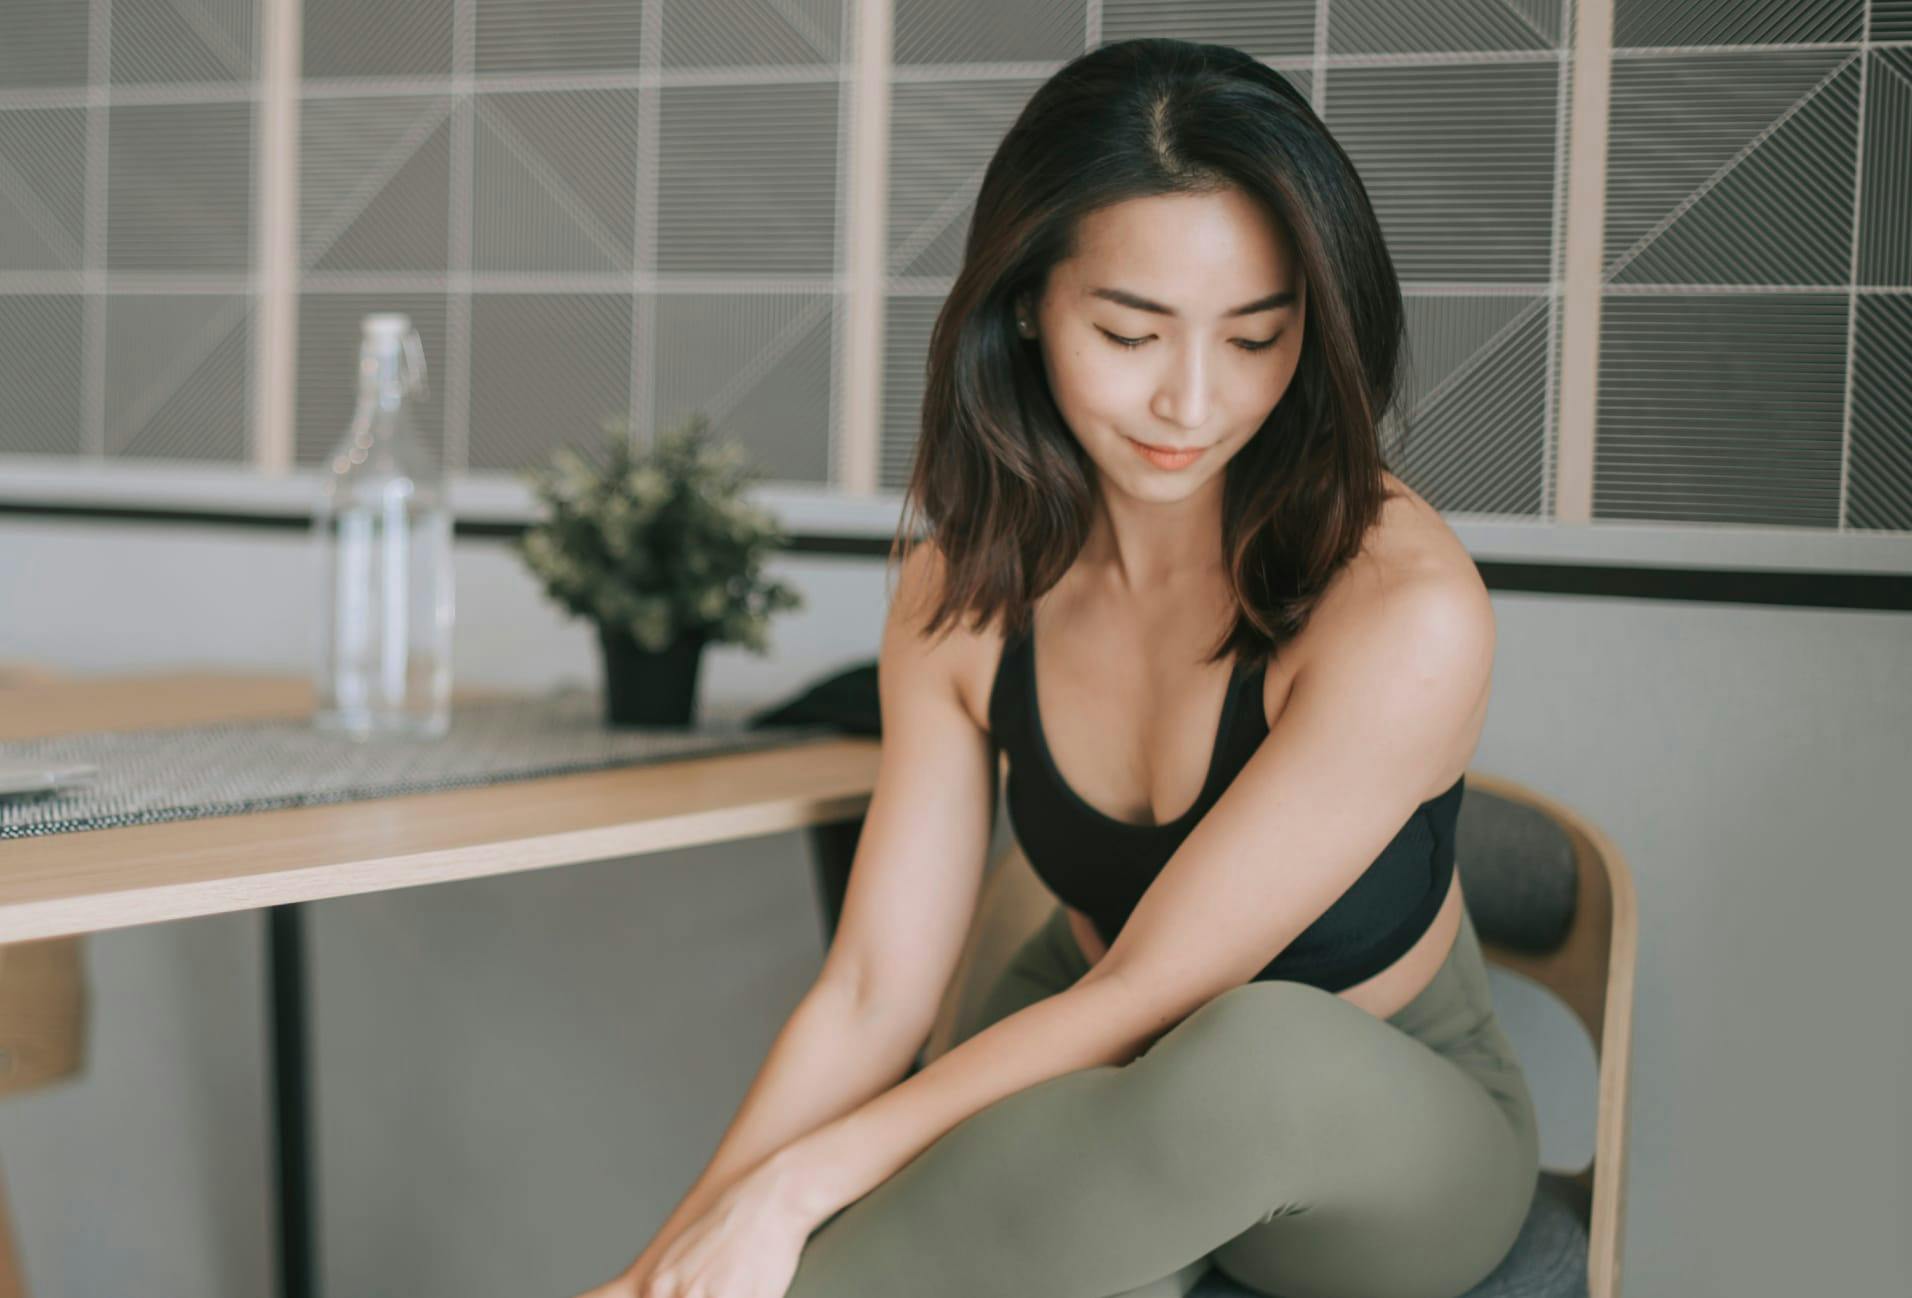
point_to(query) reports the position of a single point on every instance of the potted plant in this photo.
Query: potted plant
(662, 552)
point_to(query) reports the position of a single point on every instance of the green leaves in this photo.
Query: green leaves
(661, 542)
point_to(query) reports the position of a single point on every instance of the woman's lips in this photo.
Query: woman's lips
(1167, 459)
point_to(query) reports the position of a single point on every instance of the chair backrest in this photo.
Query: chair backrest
(26, 673)
(44, 1005)
(43, 1015)
(44, 1010)
(1552, 900)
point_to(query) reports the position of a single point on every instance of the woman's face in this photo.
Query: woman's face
(1146, 342)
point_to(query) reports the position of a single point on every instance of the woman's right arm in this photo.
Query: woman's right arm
(911, 897)
(830, 1056)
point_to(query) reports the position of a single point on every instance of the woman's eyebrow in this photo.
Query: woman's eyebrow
(1126, 298)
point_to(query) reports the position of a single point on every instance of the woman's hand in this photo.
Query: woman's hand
(625, 1286)
(745, 1245)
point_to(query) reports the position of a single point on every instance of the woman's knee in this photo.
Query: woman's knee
(1278, 1047)
(1251, 1024)
(1239, 1070)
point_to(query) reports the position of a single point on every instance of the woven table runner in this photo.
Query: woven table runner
(226, 768)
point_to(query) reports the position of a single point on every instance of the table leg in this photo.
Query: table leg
(832, 849)
(285, 954)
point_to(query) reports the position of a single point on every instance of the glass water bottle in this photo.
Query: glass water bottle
(383, 536)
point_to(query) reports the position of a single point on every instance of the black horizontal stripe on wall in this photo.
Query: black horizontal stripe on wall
(1788, 588)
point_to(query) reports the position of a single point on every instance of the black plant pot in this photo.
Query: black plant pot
(644, 687)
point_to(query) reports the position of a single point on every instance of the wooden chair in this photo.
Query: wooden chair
(43, 1018)
(1552, 900)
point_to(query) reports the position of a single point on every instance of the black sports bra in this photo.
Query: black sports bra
(1100, 865)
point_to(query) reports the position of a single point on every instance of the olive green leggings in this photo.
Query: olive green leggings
(1280, 1133)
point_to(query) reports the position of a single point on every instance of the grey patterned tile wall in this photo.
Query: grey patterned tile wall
(752, 33)
(1278, 29)
(747, 179)
(179, 187)
(375, 38)
(1755, 201)
(1451, 27)
(906, 328)
(175, 371)
(554, 181)
(43, 197)
(762, 366)
(40, 378)
(988, 31)
(125, 233)
(556, 36)
(545, 366)
(193, 41)
(42, 43)
(594, 210)
(1880, 495)
(941, 135)
(374, 184)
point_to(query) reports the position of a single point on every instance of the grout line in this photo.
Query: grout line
(275, 130)
(1852, 269)
(1582, 283)
(454, 386)
(647, 171)
(99, 67)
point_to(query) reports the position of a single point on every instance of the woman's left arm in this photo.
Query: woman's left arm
(1388, 710)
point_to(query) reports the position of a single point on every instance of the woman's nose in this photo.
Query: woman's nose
(1182, 396)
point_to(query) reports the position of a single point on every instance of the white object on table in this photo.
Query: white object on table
(21, 780)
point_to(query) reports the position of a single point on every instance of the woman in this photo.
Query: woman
(1257, 1033)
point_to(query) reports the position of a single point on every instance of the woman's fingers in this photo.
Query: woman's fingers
(624, 1286)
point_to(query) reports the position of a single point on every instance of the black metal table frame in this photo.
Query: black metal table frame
(833, 847)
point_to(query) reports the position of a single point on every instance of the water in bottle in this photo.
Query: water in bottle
(383, 538)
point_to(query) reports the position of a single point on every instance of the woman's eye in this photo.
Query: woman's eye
(1131, 344)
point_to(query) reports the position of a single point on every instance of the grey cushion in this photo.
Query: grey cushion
(1516, 866)
(1548, 1259)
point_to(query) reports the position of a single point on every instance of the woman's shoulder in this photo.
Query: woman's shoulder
(966, 652)
(1412, 586)
(1411, 560)
(1411, 541)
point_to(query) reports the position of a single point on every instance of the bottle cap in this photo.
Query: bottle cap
(391, 333)
(387, 325)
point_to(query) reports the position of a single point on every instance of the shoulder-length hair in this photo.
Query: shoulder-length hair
(1006, 488)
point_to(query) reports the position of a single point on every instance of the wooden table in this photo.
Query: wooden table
(86, 881)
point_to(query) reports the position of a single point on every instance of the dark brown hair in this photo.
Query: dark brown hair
(1007, 490)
